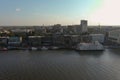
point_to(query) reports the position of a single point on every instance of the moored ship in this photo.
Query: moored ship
(93, 46)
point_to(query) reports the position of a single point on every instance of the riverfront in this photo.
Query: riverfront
(60, 65)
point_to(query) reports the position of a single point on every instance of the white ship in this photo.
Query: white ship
(44, 48)
(54, 48)
(34, 48)
(95, 46)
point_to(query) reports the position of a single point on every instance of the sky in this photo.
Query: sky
(65, 12)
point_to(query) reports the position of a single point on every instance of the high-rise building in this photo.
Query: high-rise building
(84, 26)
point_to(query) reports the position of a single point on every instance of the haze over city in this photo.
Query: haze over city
(65, 12)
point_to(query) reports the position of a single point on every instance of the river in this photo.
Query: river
(60, 65)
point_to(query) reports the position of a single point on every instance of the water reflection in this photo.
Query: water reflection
(91, 53)
(60, 65)
(115, 51)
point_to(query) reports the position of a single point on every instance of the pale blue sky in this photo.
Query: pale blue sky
(39, 12)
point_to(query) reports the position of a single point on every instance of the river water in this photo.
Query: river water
(60, 65)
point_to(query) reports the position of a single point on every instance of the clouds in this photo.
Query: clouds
(18, 10)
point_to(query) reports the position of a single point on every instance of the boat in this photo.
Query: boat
(33, 48)
(93, 46)
(44, 48)
(54, 48)
(3, 49)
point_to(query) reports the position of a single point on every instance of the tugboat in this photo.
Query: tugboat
(93, 46)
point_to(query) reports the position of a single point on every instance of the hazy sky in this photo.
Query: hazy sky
(39, 12)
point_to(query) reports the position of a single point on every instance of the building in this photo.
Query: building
(114, 36)
(71, 41)
(34, 41)
(77, 29)
(58, 40)
(85, 38)
(57, 29)
(3, 41)
(82, 28)
(97, 37)
(39, 31)
(71, 30)
(46, 40)
(14, 42)
(84, 25)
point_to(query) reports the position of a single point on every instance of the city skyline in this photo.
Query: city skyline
(65, 12)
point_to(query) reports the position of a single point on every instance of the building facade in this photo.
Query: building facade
(114, 36)
(97, 37)
(84, 25)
